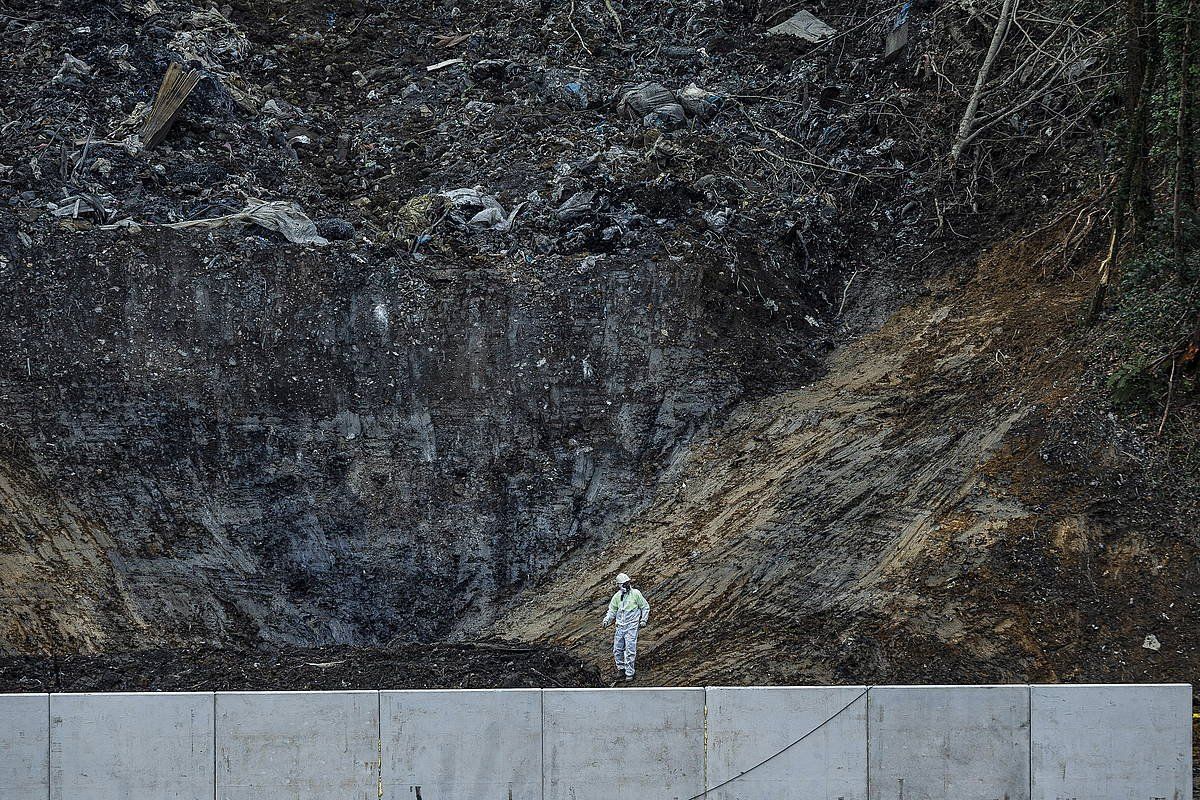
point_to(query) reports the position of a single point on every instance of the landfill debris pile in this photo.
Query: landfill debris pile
(336, 322)
(481, 665)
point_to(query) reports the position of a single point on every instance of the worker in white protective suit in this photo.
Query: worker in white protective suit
(631, 611)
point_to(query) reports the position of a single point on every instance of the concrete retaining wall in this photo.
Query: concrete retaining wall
(1105, 742)
(24, 745)
(131, 746)
(825, 743)
(450, 744)
(603, 743)
(297, 745)
(758, 725)
(949, 742)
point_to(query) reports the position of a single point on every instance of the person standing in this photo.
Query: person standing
(631, 611)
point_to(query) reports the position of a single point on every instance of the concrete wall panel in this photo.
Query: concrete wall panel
(948, 742)
(1112, 742)
(24, 745)
(297, 745)
(131, 746)
(604, 743)
(462, 744)
(748, 725)
(899, 743)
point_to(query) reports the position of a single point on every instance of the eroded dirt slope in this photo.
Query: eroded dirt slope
(946, 504)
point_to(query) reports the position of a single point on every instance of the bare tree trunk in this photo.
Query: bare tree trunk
(968, 119)
(1138, 81)
(1183, 202)
(1142, 195)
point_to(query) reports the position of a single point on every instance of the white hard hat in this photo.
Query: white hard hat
(622, 578)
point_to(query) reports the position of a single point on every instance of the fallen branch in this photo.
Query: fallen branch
(571, 22)
(1170, 391)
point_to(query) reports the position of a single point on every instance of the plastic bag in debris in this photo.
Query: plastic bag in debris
(805, 26)
(277, 215)
(659, 107)
(640, 99)
(208, 37)
(485, 210)
(287, 218)
(668, 115)
(699, 102)
(72, 71)
(577, 205)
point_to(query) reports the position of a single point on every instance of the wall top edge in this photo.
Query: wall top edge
(1110, 685)
(631, 689)
(129, 694)
(523, 690)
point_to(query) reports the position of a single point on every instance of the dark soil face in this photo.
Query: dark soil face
(439, 666)
(216, 438)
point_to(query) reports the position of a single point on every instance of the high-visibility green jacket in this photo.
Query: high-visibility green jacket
(632, 609)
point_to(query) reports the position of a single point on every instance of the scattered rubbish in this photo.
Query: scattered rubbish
(718, 219)
(72, 71)
(577, 205)
(699, 102)
(805, 26)
(283, 216)
(450, 40)
(1151, 643)
(678, 52)
(577, 92)
(173, 92)
(335, 229)
(659, 107)
(278, 108)
(881, 148)
(479, 107)
(486, 211)
(443, 64)
(413, 217)
(641, 98)
(206, 36)
(100, 206)
(667, 115)
(897, 37)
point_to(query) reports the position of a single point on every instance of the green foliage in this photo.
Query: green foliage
(1153, 317)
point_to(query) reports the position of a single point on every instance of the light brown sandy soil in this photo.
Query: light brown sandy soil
(934, 508)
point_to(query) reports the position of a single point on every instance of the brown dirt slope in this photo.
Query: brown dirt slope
(945, 505)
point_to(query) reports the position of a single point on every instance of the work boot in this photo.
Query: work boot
(628, 677)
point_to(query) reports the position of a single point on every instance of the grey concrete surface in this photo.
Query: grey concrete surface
(598, 744)
(297, 745)
(1077, 742)
(462, 744)
(131, 746)
(948, 742)
(24, 745)
(1106, 742)
(749, 725)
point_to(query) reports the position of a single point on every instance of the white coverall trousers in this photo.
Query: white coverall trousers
(625, 646)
